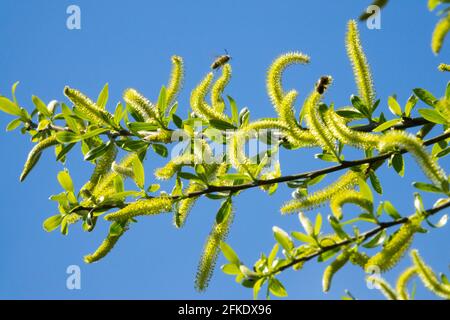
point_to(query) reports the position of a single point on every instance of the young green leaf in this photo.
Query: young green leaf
(229, 254)
(433, 116)
(139, 175)
(391, 211)
(41, 106)
(52, 223)
(425, 96)
(394, 106)
(103, 97)
(277, 288)
(65, 180)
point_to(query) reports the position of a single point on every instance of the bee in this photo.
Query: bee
(220, 61)
(323, 84)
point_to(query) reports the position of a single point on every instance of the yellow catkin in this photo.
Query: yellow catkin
(102, 167)
(347, 136)
(105, 247)
(413, 145)
(402, 283)
(35, 153)
(384, 287)
(331, 270)
(176, 80)
(315, 124)
(439, 33)
(185, 205)
(94, 113)
(359, 258)
(349, 196)
(345, 182)
(219, 86)
(275, 74)
(198, 104)
(361, 69)
(140, 105)
(152, 206)
(429, 279)
(396, 247)
(124, 171)
(444, 67)
(211, 251)
(171, 167)
(294, 133)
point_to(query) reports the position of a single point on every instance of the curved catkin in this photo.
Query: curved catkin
(176, 80)
(295, 135)
(345, 182)
(402, 283)
(102, 167)
(185, 205)
(275, 74)
(140, 105)
(35, 154)
(198, 104)
(331, 270)
(361, 69)
(350, 196)
(359, 258)
(93, 112)
(105, 247)
(347, 136)
(396, 247)
(151, 206)
(429, 279)
(414, 145)
(315, 124)
(384, 287)
(218, 88)
(122, 170)
(171, 167)
(439, 33)
(211, 251)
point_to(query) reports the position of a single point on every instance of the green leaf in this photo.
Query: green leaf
(272, 255)
(9, 107)
(394, 106)
(93, 133)
(65, 180)
(188, 176)
(119, 113)
(398, 164)
(13, 91)
(433, 116)
(153, 187)
(443, 153)
(277, 288)
(391, 211)
(376, 241)
(283, 238)
(162, 101)
(302, 237)
(119, 186)
(221, 125)
(70, 121)
(328, 254)
(139, 175)
(425, 96)
(234, 110)
(41, 106)
(229, 254)
(235, 176)
(230, 269)
(426, 187)
(418, 203)
(224, 211)
(375, 182)
(315, 180)
(160, 149)
(337, 227)
(13, 125)
(318, 224)
(65, 150)
(142, 126)
(365, 190)
(177, 121)
(96, 152)
(359, 105)
(67, 137)
(52, 223)
(412, 101)
(257, 287)
(386, 125)
(103, 97)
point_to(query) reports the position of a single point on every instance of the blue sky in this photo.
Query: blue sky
(129, 44)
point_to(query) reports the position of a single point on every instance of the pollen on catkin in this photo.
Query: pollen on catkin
(151, 206)
(345, 182)
(359, 258)
(35, 154)
(275, 75)
(349, 196)
(313, 118)
(331, 270)
(102, 167)
(90, 109)
(185, 205)
(218, 87)
(439, 33)
(176, 80)
(208, 260)
(402, 283)
(414, 146)
(429, 279)
(394, 249)
(105, 247)
(336, 124)
(361, 69)
(140, 105)
(199, 105)
(171, 167)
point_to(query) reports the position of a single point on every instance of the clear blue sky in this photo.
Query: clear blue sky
(129, 44)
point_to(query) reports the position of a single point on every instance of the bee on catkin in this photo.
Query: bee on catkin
(220, 61)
